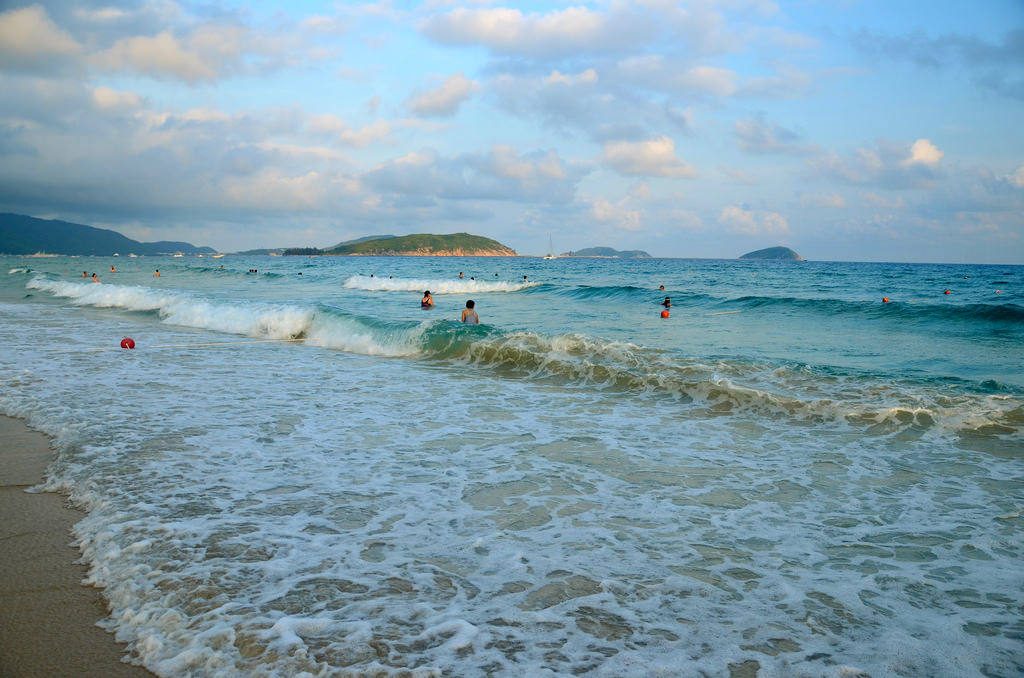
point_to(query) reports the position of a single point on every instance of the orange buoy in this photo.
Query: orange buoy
(947, 292)
(127, 342)
(664, 314)
(885, 300)
(997, 291)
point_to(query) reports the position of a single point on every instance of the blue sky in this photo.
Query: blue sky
(870, 131)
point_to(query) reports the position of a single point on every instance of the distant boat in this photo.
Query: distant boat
(551, 250)
(179, 254)
(43, 254)
(133, 256)
(216, 256)
(200, 256)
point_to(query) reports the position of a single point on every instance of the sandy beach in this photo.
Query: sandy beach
(48, 618)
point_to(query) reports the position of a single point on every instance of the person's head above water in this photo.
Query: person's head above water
(426, 293)
(470, 304)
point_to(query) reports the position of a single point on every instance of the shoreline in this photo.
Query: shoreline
(48, 616)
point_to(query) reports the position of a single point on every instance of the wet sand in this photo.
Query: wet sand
(47, 617)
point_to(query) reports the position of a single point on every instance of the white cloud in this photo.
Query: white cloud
(366, 135)
(106, 98)
(653, 157)
(30, 40)
(159, 55)
(501, 174)
(760, 136)
(876, 200)
(738, 219)
(923, 152)
(446, 99)
(718, 81)
(509, 31)
(617, 214)
(333, 126)
(587, 77)
(1017, 178)
(325, 24)
(886, 165)
(738, 175)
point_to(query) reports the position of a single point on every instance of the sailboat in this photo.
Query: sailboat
(551, 250)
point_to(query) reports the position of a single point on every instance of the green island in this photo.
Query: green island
(416, 245)
(774, 254)
(607, 252)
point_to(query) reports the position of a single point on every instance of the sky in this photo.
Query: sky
(847, 130)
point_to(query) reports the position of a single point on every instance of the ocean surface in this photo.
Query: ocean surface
(299, 472)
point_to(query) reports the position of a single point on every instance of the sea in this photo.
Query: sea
(298, 471)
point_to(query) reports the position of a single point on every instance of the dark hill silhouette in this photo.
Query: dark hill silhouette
(20, 234)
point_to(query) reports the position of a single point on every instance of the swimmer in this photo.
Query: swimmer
(84, 274)
(524, 278)
(460, 275)
(661, 287)
(94, 278)
(472, 278)
(469, 315)
(157, 274)
(667, 302)
(113, 270)
(495, 275)
(427, 301)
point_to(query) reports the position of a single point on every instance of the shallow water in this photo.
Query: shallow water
(786, 477)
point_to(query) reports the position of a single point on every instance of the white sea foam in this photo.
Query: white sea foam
(436, 286)
(258, 320)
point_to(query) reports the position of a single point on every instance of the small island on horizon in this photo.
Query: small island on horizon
(415, 245)
(607, 253)
(774, 254)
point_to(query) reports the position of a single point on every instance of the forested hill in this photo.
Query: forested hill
(20, 234)
(774, 253)
(426, 245)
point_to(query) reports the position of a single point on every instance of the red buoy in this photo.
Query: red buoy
(885, 300)
(947, 292)
(664, 314)
(127, 342)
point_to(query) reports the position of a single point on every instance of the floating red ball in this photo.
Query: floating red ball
(885, 300)
(127, 342)
(664, 314)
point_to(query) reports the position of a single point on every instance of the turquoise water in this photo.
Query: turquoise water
(786, 475)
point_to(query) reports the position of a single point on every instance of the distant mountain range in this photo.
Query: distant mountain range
(416, 245)
(20, 234)
(608, 252)
(774, 253)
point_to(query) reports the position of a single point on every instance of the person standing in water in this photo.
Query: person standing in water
(427, 301)
(469, 315)
(157, 274)
(94, 278)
